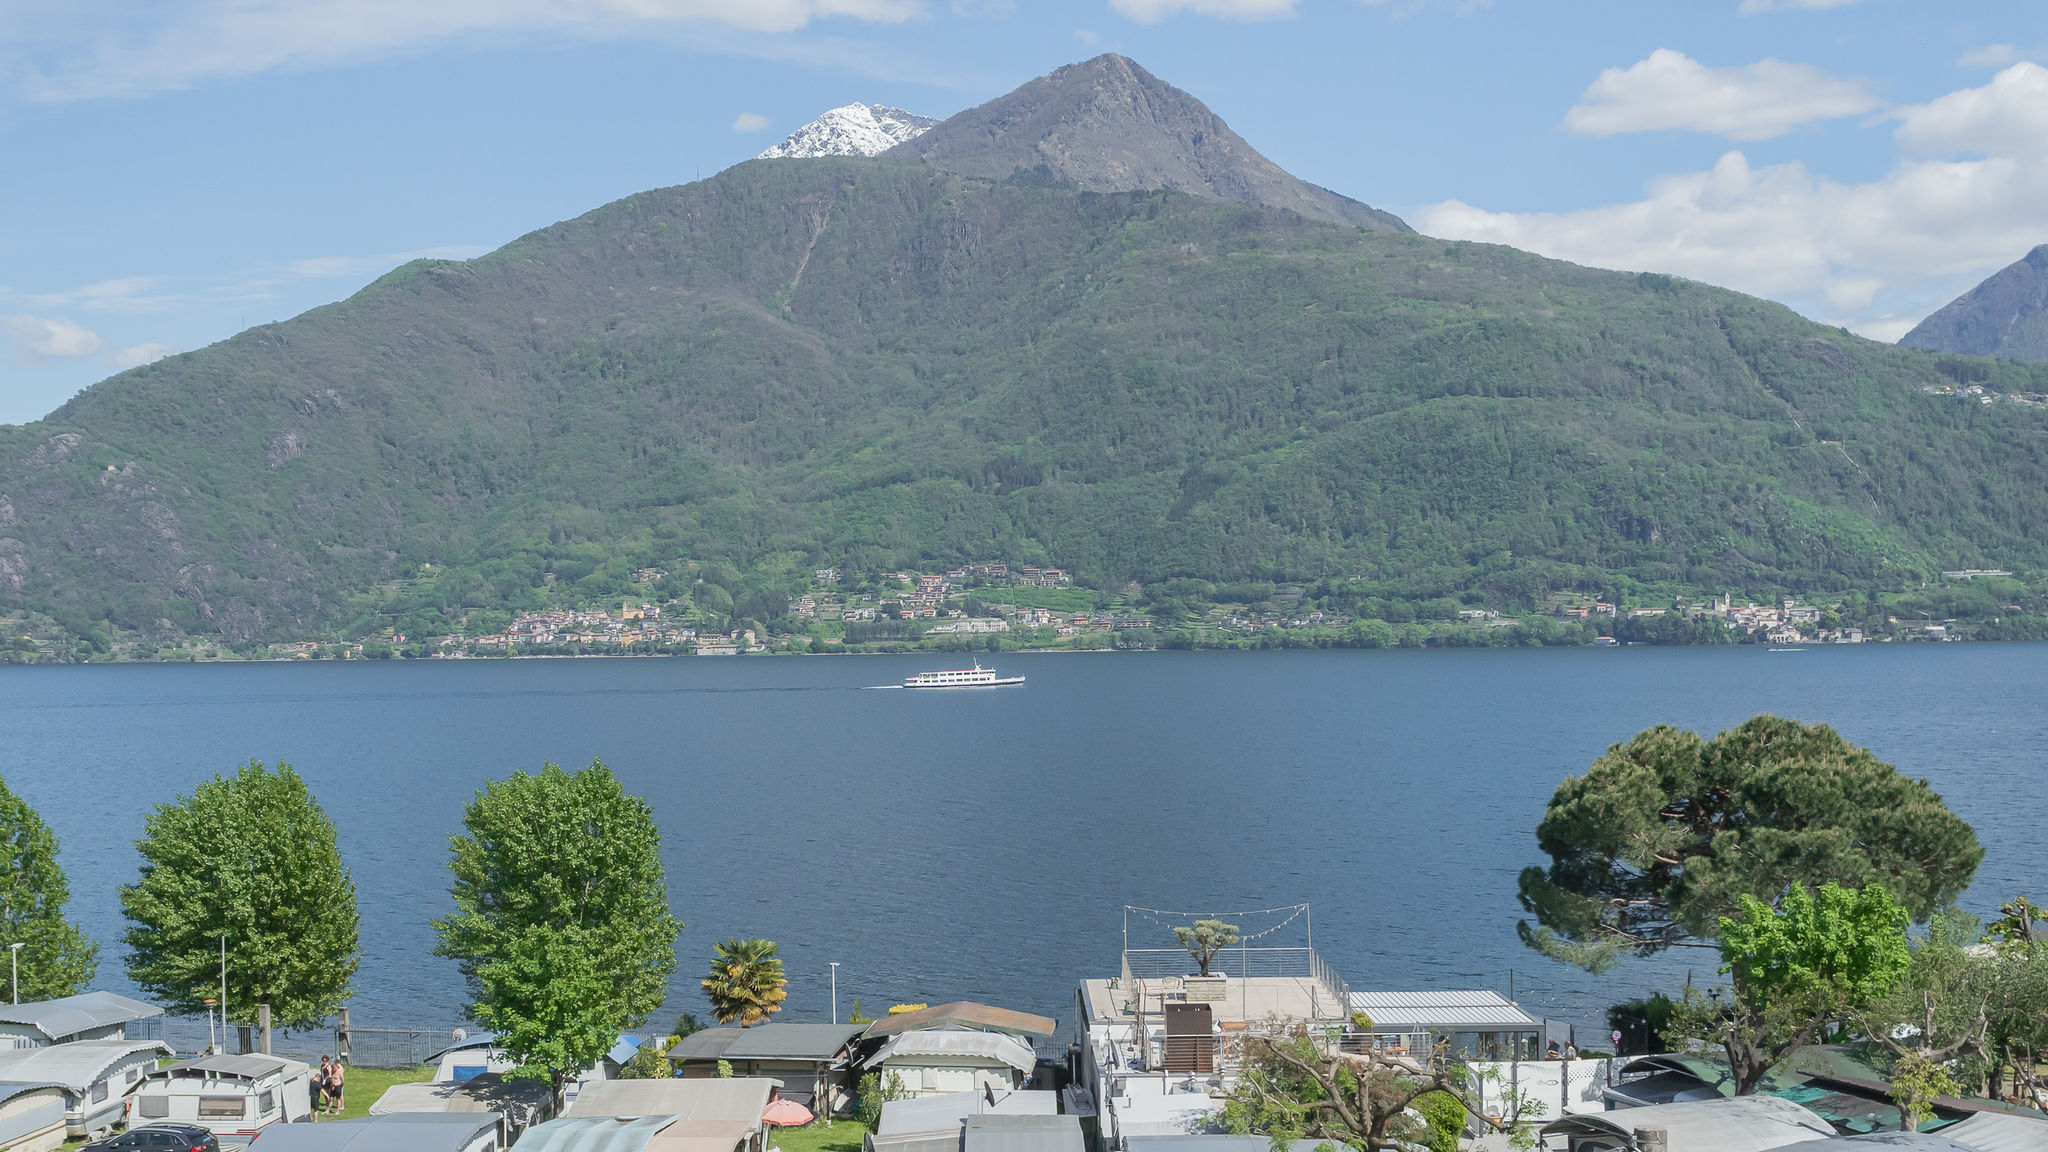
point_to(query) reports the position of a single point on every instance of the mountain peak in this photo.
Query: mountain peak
(852, 130)
(2005, 316)
(1108, 125)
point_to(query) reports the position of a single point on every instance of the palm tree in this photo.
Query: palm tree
(746, 982)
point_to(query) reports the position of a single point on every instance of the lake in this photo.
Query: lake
(981, 845)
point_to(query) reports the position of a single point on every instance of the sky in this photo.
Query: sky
(173, 171)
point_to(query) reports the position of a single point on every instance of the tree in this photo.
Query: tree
(1667, 833)
(649, 1062)
(1205, 940)
(1940, 1012)
(561, 924)
(57, 958)
(687, 1024)
(746, 985)
(251, 858)
(1289, 1089)
(1812, 963)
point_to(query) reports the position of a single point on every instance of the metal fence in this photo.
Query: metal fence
(395, 1047)
(366, 1047)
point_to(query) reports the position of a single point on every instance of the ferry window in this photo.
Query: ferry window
(153, 1107)
(99, 1092)
(266, 1102)
(223, 1107)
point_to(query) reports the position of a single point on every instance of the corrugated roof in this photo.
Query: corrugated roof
(1022, 1134)
(251, 1066)
(76, 1065)
(943, 1140)
(74, 1014)
(739, 1098)
(1446, 1009)
(980, 1045)
(1740, 1124)
(396, 1132)
(708, 1044)
(1879, 1141)
(965, 1014)
(1198, 1142)
(473, 1040)
(594, 1134)
(9, 1089)
(944, 1112)
(1993, 1132)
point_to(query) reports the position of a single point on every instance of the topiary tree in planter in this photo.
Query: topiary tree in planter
(1205, 940)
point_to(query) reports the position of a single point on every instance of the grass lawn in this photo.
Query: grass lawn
(365, 1085)
(843, 1136)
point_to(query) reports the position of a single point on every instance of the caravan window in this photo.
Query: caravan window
(266, 1102)
(153, 1107)
(134, 1073)
(99, 1092)
(223, 1107)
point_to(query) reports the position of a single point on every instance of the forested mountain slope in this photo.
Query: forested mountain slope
(874, 362)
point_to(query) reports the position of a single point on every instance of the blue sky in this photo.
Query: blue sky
(176, 170)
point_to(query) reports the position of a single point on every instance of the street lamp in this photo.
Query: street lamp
(835, 990)
(14, 964)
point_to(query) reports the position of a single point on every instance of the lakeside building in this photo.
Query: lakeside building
(87, 1016)
(230, 1096)
(802, 1057)
(957, 1047)
(96, 1076)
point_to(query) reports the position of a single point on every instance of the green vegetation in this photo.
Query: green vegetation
(57, 958)
(1205, 940)
(869, 364)
(250, 858)
(746, 984)
(842, 1136)
(1668, 834)
(561, 922)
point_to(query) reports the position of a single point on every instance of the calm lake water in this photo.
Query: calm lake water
(981, 845)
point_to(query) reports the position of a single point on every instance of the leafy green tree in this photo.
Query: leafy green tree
(57, 957)
(649, 1062)
(1668, 833)
(1814, 962)
(561, 924)
(687, 1024)
(746, 984)
(1205, 940)
(250, 857)
(1941, 1010)
(1289, 1089)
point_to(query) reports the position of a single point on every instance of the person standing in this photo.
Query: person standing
(317, 1088)
(337, 1077)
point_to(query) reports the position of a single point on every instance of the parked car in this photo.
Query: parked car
(158, 1138)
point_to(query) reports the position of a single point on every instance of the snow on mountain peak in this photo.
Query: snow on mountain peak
(855, 130)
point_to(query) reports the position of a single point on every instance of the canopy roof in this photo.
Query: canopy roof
(1198, 1143)
(991, 1046)
(77, 1065)
(392, 1132)
(1995, 1132)
(74, 1014)
(947, 1110)
(594, 1134)
(1882, 1142)
(738, 1100)
(815, 1042)
(1741, 1124)
(965, 1014)
(1452, 1010)
(518, 1100)
(225, 1067)
(1023, 1134)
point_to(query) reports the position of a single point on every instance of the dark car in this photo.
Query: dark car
(158, 1138)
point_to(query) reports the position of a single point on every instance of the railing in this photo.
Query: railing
(1141, 964)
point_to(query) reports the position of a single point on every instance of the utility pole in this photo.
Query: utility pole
(223, 992)
(14, 963)
(835, 990)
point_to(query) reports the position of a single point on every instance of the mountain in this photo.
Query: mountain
(2005, 316)
(1107, 125)
(854, 130)
(879, 362)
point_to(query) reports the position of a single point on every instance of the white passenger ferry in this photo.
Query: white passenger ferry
(975, 677)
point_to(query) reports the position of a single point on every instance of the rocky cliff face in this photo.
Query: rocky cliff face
(2005, 316)
(1107, 125)
(854, 130)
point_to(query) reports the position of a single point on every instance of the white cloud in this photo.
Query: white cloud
(1874, 255)
(1989, 56)
(2007, 117)
(140, 354)
(750, 122)
(1085, 37)
(1668, 89)
(90, 48)
(44, 338)
(1153, 11)
(1752, 7)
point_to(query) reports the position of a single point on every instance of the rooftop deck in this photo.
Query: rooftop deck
(1248, 1001)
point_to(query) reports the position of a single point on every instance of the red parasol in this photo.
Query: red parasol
(786, 1114)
